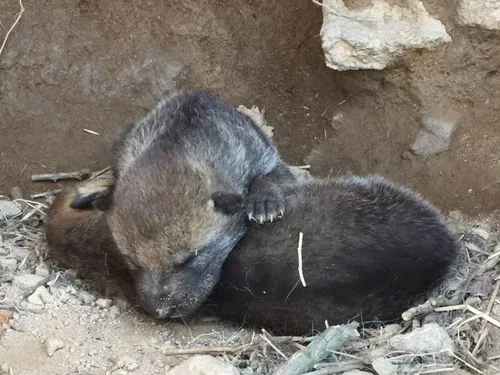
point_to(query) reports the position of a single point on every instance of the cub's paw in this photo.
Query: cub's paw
(264, 208)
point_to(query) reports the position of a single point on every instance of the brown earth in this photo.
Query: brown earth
(71, 65)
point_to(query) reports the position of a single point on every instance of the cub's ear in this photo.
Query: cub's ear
(227, 203)
(95, 194)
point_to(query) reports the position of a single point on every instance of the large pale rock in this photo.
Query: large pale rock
(203, 365)
(480, 13)
(372, 37)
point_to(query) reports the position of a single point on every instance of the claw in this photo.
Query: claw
(271, 218)
(262, 219)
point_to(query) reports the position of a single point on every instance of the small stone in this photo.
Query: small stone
(40, 296)
(434, 137)
(202, 365)
(481, 233)
(9, 209)
(114, 312)
(430, 338)
(86, 297)
(132, 366)
(42, 271)
(27, 282)
(356, 372)
(481, 286)
(53, 344)
(8, 264)
(383, 367)
(479, 13)
(104, 303)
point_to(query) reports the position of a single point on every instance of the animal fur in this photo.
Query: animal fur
(185, 176)
(370, 251)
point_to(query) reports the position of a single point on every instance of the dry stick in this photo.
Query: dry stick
(299, 251)
(428, 306)
(321, 347)
(486, 330)
(46, 194)
(12, 27)
(472, 310)
(84, 173)
(206, 350)
(269, 339)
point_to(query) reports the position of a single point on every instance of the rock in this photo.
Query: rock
(434, 137)
(357, 372)
(114, 311)
(86, 297)
(52, 344)
(203, 365)
(481, 286)
(383, 367)
(481, 233)
(373, 36)
(5, 316)
(104, 303)
(8, 264)
(27, 282)
(41, 270)
(9, 209)
(479, 13)
(429, 338)
(41, 296)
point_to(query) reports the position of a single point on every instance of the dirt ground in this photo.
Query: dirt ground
(86, 64)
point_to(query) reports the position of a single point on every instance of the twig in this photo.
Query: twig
(268, 338)
(90, 132)
(299, 251)
(320, 348)
(84, 173)
(472, 310)
(101, 172)
(428, 306)
(486, 330)
(13, 25)
(206, 350)
(46, 194)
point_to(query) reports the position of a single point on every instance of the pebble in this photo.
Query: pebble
(481, 233)
(53, 344)
(8, 264)
(86, 297)
(383, 367)
(104, 303)
(114, 311)
(203, 364)
(434, 137)
(27, 282)
(41, 296)
(42, 271)
(9, 209)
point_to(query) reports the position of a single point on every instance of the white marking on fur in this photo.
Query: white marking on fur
(299, 251)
